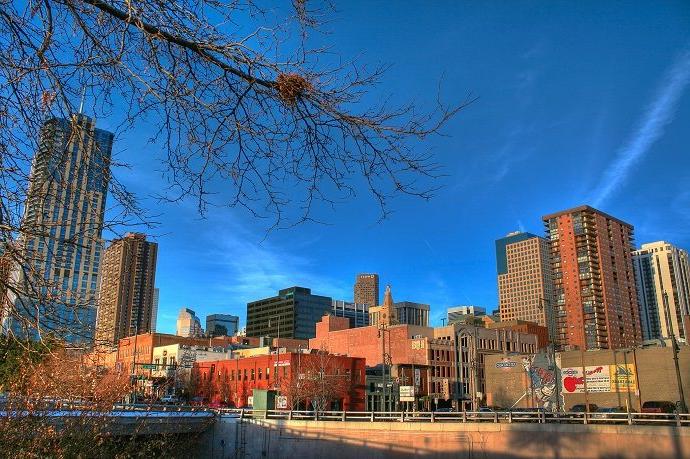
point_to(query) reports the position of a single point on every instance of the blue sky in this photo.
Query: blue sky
(579, 103)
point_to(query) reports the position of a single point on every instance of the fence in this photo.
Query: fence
(677, 419)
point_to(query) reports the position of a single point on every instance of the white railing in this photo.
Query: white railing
(677, 419)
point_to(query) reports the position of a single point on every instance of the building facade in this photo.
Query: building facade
(385, 314)
(525, 280)
(662, 274)
(594, 283)
(357, 313)
(188, 324)
(293, 313)
(126, 294)
(410, 313)
(233, 381)
(222, 325)
(451, 358)
(55, 282)
(366, 290)
(154, 312)
(615, 378)
(459, 313)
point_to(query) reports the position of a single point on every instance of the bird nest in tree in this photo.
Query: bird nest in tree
(291, 87)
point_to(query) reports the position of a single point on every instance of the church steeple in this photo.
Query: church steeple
(384, 314)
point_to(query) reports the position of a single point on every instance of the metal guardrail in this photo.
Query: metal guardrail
(674, 419)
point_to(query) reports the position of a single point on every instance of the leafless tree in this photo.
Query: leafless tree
(323, 383)
(246, 113)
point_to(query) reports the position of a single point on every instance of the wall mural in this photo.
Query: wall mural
(544, 374)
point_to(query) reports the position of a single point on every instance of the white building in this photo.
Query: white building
(662, 277)
(456, 313)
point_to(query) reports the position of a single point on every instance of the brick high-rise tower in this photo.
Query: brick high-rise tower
(126, 296)
(367, 289)
(594, 281)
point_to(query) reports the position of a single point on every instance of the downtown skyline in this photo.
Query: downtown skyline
(560, 121)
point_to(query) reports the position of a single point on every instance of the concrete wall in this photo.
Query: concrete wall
(358, 440)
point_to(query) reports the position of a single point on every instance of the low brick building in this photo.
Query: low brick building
(615, 378)
(233, 381)
(524, 326)
(436, 352)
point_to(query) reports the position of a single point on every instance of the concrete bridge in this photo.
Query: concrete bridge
(129, 421)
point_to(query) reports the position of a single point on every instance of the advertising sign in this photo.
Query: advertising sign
(600, 378)
(417, 377)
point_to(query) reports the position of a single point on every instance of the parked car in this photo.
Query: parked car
(197, 401)
(659, 407)
(616, 412)
(217, 404)
(170, 399)
(444, 410)
(581, 408)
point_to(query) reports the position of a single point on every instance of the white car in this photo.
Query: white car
(169, 399)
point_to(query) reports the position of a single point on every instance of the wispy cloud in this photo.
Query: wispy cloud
(657, 115)
(246, 269)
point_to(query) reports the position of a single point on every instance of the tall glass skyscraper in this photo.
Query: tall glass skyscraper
(55, 283)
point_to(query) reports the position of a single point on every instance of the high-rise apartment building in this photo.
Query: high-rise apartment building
(126, 294)
(222, 325)
(357, 313)
(367, 289)
(154, 312)
(594, 282)
(292, 314)
(525, 281)
(188, 324)
(662, 273)
(56, 281)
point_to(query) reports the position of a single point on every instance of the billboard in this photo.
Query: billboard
(599, 378)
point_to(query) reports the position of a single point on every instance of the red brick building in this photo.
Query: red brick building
(594, 283)
(233, 381)
(139, 348)
(524, 326)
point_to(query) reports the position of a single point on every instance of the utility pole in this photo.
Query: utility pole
(674, 345)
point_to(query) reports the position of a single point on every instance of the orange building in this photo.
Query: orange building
(594, 283)
(233, 381)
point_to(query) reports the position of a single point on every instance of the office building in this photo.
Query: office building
(411, 313)
(188, 324)
(460, 313)
(293, 313)
(594, 282)
(358, 314)
(126, 294)
(56, 287)
(662, 273)
(222, 325)
(367, 289)
(525, 280)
